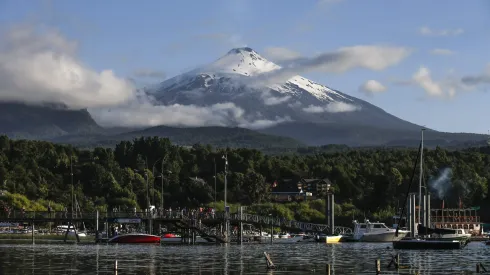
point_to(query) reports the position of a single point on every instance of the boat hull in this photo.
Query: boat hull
(333, 239)
(428, 244)
(135, 238)
(382, 237)
(180, 240)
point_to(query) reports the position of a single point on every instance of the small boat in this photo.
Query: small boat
(376, 232)
(287, 238)
(80, 234)
(172, 238)
(333, 239)
(135, 238)
(282, 238)
(429, 243)
(328, 238)
(443, 233)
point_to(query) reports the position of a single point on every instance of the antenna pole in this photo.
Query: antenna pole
(421, 174)
(71, 180)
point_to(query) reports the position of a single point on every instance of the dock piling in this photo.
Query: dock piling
(378, 266)
(480, 268)
(395, 260)
(328, 269)
(115, 267)
(270, 264)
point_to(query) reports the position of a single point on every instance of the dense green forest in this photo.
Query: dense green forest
(367, 182)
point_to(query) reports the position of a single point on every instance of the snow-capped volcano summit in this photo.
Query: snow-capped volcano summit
(243, 67)
(260, 89)
(244, 61)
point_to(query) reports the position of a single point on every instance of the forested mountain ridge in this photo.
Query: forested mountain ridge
(369, 182)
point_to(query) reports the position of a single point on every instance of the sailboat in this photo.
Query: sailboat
(419, 242)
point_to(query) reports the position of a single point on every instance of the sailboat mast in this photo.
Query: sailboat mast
(421, 174)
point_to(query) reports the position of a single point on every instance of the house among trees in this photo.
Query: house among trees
(299, 189)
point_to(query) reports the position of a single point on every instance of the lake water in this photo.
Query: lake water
(302, 258)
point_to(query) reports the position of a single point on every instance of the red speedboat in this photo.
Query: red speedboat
(135, 238)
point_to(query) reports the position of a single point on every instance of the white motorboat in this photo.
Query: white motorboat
(61, 229)
(282, 238)
(376, 232)
(174, 238)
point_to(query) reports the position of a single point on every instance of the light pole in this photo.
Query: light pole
(162, 159)
(214, 160)
(225, 157)
(162, 178)
(421, 172)
(71, 179)
(272, 228)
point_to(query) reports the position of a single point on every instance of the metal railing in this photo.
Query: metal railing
(187, 216)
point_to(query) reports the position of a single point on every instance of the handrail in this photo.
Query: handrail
(178, 215)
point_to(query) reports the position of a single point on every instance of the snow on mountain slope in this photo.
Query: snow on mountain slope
(238, 78)
(245, 62)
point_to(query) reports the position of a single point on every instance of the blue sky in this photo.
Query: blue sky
(171, 37)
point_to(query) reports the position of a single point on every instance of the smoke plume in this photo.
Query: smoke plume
(442, 183)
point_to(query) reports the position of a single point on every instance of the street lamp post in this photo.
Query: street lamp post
(162, 159)
(272, 228)
(71, 179)
(225, 157)
(214, 160)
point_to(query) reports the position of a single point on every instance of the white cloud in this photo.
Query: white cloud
(39, 65)
(447, 32)
(344, 59)
(314, 109)
(278, 54)
(442, 52)
(264, 123)
(447, 87)
(341, 107)
(273, 100)
(423, 79)
(145, 113)
(334, 107)
(372, 87)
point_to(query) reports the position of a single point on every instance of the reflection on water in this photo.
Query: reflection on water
(345, 258)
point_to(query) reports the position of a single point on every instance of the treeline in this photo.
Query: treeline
(367, 182)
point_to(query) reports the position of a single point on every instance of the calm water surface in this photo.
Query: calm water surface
(303, 258)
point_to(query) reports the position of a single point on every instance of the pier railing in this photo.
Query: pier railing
(46, 216)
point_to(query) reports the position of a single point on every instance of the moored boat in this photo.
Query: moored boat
(376, 232)
(328, 238)
(443, 233)
(135, 238)
(173, 238)
(413, 243)
(333, 239)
